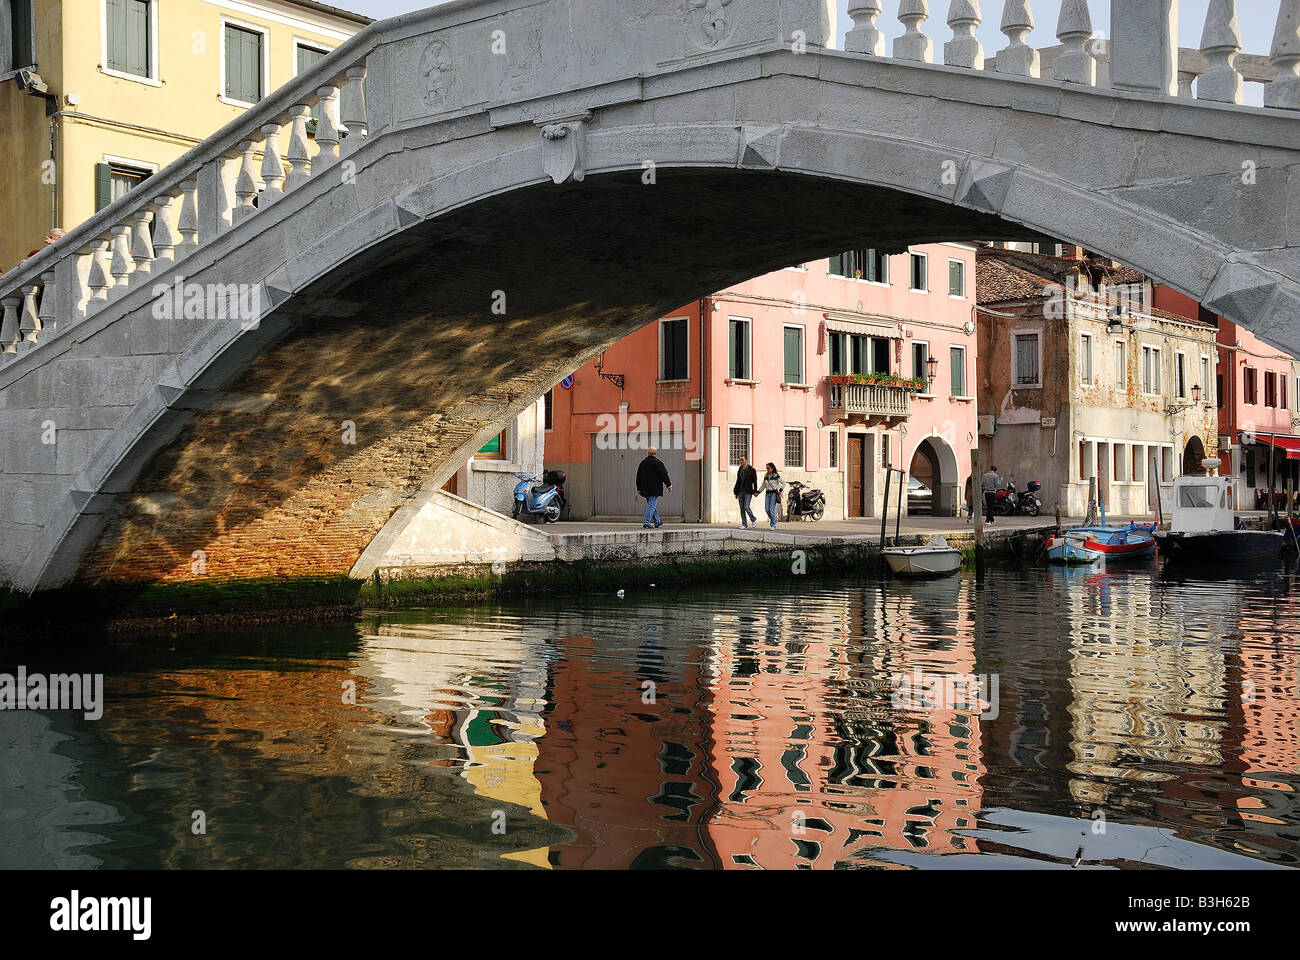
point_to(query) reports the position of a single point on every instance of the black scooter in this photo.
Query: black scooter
(804, 502)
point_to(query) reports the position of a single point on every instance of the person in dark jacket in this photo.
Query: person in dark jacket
(651, 481)
(746, 489)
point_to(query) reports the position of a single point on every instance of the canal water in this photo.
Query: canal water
(1040, 719)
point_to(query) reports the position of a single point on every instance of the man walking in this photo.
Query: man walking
(651, 479)
(990, 483)
(746, 488)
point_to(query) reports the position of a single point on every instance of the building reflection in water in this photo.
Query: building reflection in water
(754, 729)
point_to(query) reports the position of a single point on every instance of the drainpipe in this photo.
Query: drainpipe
(704, 406)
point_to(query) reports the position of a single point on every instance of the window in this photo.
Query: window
(21, 52)
(868, 264)
(1270, 389)
(1134, 294)
(794, 447)
(548, 410)
(1085, 359)
(958, 357)
(879, 355)
(1248, 385)
(1121, 365)
(920, 354)
(1166, 464)
(243, 56)
(1087, 451)
(1150, 369)
(1120, 472)
(737, 445)
(1180, 375)
(738, 346)
(1297, 394)
(494, 449)
(838, 354)
(1204, 382)
(833, 458)
(113, 180)
(920, 273)
(1026, 360)
(957, 279)
(673, 349)
(128, 38)
(1140, 464)
(793, 355)
(305, 58)
(1218, 389)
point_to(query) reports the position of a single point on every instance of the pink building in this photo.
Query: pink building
(833, 370)
(1253, 384)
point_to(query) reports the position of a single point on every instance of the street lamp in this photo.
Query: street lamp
(1116, 325)
(1176, 408)
(932, 369)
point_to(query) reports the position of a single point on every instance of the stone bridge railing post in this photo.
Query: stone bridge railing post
(1144, 46)
(1284, 91)
(1018, 58)
(964, 49)
(865, 37)
(913, 44)
(1074, 28)
(1221, 43)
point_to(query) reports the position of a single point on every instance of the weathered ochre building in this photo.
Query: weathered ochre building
(1081, 379)
(96, 95)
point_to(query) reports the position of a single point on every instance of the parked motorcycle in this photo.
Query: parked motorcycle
(541, 496)
(1009, 502)
(804, 502)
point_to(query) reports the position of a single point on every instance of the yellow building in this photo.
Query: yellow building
(96, 95)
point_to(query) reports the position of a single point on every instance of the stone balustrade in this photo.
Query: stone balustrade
(152, 231)
(1143, 56)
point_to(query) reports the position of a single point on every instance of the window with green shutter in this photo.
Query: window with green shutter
(958, 355)
(113, 180)
(793, 355)
(243, 64)
(307, 58)
(738, 344)
(673, 352)
(127, 42)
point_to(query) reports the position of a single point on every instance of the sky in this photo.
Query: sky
(1255, 17)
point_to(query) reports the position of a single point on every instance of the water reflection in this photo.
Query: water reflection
(1138, 720)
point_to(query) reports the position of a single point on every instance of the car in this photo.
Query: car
(920, 498)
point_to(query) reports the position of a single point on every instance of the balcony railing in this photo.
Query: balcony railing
(870, 403)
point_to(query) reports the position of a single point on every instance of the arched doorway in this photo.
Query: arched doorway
(934, 464)
(1193, 454)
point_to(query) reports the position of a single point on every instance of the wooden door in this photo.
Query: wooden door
(857, 478)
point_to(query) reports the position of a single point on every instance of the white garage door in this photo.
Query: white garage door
(613, 479)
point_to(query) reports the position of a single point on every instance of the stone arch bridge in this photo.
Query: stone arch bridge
(511, 186)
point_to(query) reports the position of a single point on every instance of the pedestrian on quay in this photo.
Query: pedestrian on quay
(970, 497)
(746, 489)
(772, 487)
(651, 481)
(990, 483)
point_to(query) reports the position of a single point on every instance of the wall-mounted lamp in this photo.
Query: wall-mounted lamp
(1115, 327)
(932, 369)
(1176, 408)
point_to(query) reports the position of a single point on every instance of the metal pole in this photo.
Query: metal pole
(977, 500)
(884, 510)
(1272, 464)
(898, 522)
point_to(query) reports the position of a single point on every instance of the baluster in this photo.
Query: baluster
(121, 266)
(1185, 80)
(49, 313)
(1074, 28)
(1284, 91)
(865, 37)
(1221, 42)
(913, 44)
(355, 117)
(1018, 58)
(327, 130)
(246, 185)
(272, 165)
(100, 281)
(29, 328)
(187, 224)
(217, 199)
(964, 49)
(9, 326)
(165, 238)
(142, 246)
(299, 156)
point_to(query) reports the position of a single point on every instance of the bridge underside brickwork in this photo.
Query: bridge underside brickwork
(594, 193)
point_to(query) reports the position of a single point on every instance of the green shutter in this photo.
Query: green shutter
(731, 349)
(958, 371)
(793, 355)
(308, 58)
(243, 65)
(680, 328)
(837, 265)
(115, 14)
(103, 186)
(137, 38)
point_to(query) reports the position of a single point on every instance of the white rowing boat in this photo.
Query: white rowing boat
(935, 559)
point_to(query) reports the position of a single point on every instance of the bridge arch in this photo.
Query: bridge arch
(377, 287)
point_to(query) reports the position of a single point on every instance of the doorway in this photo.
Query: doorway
(857, 475)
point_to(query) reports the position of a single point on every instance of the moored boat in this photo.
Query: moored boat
(1206, 529)
(1072, 549)
(935, 559)
(1133, 542)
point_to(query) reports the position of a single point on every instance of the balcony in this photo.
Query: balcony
(873, 404)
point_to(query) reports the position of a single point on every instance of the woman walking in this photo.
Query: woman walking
(772, 487)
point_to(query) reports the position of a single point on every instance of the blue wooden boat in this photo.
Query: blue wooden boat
(1071, 549)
